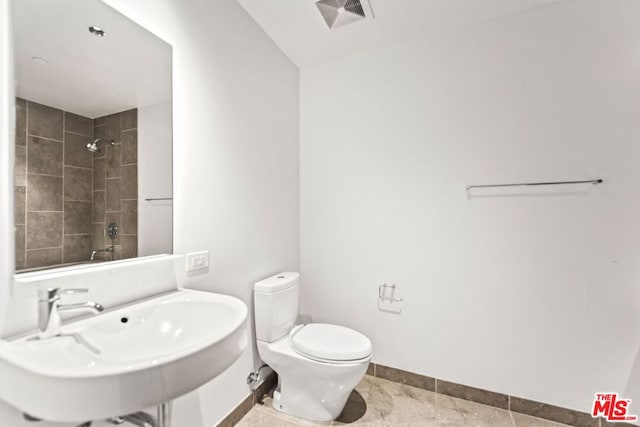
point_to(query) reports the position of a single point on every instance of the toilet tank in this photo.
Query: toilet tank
(276, 301)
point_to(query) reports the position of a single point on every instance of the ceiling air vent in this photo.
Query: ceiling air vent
(338, 13)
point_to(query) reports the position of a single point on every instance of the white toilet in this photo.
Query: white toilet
(318, 364)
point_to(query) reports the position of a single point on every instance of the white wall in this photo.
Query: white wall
(534, 295)
(155, 176)
(235, 108)
(236, 185)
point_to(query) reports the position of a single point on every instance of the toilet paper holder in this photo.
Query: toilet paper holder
(382, 293)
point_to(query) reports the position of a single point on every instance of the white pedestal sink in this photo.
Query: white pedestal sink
(125, 360)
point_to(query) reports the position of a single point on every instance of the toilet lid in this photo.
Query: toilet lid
(330, 342)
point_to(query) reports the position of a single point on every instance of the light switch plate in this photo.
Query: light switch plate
(197, 261)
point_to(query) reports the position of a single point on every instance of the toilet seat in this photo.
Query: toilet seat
(329, 343)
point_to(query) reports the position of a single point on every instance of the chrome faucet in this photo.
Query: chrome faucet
(49, 309)
(93, 254)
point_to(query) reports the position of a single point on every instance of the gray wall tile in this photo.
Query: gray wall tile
(44, 230)
(21, 126)
(20, 171)
(44, 193)
(44, 257)
(99, 174)
(75, 150)
(130, 182)
(117, 252)
(129, 119)
(20, 205)
(129, 147)
(44, 121)
(77, 184)
(99, 235)
(78, 124)
(77, 248)
(51, 145)
(21, 256)
(129, 246)
(114, 195)
(44, 156)
(77, 218)
(129, 217)
(114, 159)
(112, 127)
(98, 206)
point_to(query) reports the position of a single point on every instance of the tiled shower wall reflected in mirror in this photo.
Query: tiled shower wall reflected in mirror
(115, 184)
(58, 218)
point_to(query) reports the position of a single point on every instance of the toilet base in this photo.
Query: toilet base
(307, 404)
(307, 388)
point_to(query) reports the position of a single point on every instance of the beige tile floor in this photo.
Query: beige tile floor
(380, 403)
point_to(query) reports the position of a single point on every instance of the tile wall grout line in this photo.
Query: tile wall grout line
(26, 187)
(77, 167)
(93, 169)
(79, 134)
(64, 161)
(42, 249)
(44, 137)
(45, 174)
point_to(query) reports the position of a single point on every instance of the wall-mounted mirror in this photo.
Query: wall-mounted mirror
(93, 165)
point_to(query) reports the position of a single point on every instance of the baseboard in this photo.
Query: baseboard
(490, 398)
(438, 386)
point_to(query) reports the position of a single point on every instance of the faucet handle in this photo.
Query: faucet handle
(48, 294)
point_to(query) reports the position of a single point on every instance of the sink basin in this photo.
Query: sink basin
(125, 360)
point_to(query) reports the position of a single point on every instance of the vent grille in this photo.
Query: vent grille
(338, 13)
(354, 6)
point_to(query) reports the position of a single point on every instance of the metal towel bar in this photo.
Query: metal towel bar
(589, 181)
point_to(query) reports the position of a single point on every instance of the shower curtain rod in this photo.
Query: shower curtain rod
(590, 181)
